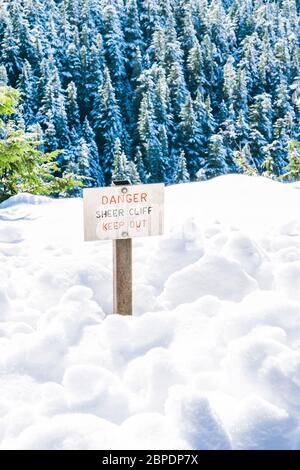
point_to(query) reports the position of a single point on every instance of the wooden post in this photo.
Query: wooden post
(122, 270)
(122, 274)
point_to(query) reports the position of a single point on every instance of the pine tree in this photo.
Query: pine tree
(133, 173)
(124, 170)
(11, 53)
(181, 173)
(72, 70)
(132, 33)
(107, 123)
(152, 152)
(161, 93)
(61, 122)
(27, 85)
(229, 80)
(244, 161)
(51, 141)
(293, 167)
(242, 129)
(178, 90)
(72, 108)
(23, 167)
(96, 66)
(216, 161)
(88, 167)
(96, 172)
(189, 138)
(115, 46)
(195, 67)
(240, 93)
(3, 76)
(120, 163)
(261, 126)
(268, 167)
(140, 165)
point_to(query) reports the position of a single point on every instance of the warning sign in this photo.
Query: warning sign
(127, 211)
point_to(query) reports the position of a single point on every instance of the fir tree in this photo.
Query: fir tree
(107, 123)
(123, 169)
(293, 167)
(244, 161)
(181, 173)
(189, 138)
(261, 126)
(178, 90)
(195, 67)
(216, 162)
(152, 151)
(115, 46)
(3, 76)
(27, 87)
(23, 167)
(132, 33)
(11, 53)
(72, 107)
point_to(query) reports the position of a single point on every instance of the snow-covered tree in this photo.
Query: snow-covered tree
(181, 174)
(107, 123)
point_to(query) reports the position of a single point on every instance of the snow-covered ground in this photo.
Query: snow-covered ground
(211, 357)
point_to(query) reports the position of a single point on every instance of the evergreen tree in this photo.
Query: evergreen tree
(229, 80)
(72, 107)
(178, 90)
(293, 167)
(261, 126)
(27, 85)
(72, 69)
(115, 46)
(244, 161)
(189, 138)
(3, 76)
(123, 169)
(96, 66)
(11, 53)
(23, 167)
(139, 163)
(240, 93)
(61, 122)
(88, 167)
(120, 164)
(152, 151)
(107, 123)
(96, 172)
(195, 67)
(216, 162)
(268, 167)
(132, 33)
(181, 173)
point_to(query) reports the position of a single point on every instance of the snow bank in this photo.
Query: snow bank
(210, 359)
(24, 198)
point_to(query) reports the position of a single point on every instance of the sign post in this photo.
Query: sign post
(122, 276)
(120, 213)
(122, 270)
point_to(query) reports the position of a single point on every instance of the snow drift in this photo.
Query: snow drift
(211, 357)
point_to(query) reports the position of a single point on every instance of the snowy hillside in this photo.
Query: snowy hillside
(211, 358)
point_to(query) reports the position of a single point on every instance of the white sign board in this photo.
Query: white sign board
(118, 212)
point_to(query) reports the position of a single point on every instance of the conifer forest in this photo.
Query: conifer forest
(155, 90)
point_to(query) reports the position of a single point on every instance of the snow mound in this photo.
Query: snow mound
(209, 360)
(24, 198)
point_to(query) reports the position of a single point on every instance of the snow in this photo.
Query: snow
(209, 360)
